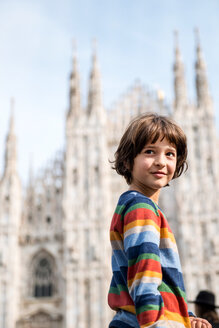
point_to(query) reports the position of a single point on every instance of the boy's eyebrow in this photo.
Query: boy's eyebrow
(153, 146)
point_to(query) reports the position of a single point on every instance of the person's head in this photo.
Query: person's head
(149, 129)
(203, 310)
(205, 303)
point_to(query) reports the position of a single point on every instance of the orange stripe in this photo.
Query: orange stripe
(177, 317)
(129, 308)
(165, 233)
(147, 273)
(115, 235)
(141, 223)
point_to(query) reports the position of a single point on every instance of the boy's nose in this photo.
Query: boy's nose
(160, 160)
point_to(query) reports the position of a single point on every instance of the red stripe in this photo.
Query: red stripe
(141, 214)
(143, 265)
(164, 223)
(149, 316)
(116, 301)
(175, 304)
(116, 223)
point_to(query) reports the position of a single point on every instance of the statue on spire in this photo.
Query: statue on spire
(11, 125)
(179, 78)
(75, 98)
(10, 151)
(202, 89)
(94, 97)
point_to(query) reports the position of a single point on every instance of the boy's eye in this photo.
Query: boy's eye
(170, 153)
(149, 151)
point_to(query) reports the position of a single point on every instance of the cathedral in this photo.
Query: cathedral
(54, 234)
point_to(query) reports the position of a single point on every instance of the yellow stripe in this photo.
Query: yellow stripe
(129, 308)
(177, 317)
(165, 233)
(141, 223)
(144, 274)
(115, 235)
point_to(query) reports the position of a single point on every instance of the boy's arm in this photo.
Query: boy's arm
(141, 244)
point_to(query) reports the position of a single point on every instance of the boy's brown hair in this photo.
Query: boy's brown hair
(142, 130)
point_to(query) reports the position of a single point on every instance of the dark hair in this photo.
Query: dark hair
(142, 130)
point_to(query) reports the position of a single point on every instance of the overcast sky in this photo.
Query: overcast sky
(134, 41)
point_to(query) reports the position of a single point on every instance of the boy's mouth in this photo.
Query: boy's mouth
(159, 173)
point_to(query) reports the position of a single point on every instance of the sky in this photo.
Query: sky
(134, 41)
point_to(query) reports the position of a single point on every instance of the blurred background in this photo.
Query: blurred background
(54, 244)
(134, 41)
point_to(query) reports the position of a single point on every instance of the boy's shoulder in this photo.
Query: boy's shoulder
(132, 199)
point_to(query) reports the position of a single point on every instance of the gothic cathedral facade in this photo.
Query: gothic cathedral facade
(54, 243)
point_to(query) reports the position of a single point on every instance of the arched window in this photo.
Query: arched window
(40, 319)
(43, 275)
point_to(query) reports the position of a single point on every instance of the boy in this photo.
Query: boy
(147, 288)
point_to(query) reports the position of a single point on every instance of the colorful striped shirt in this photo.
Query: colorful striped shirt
(147, 287)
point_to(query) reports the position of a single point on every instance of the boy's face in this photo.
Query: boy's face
(154, 167)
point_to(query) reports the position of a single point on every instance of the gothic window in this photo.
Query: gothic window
(75, 176)
(96, 170)
(209, 166)
(87, 248)
(48, 196)
(7, 198)
(88, 302)
(3, 305)
(208, 281)
(43, 276)
(43, 279)
(196, 141)
(48, 219)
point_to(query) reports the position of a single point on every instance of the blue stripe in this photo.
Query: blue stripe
(136, 239)
(130, 198)
(119, 259)
(134, 197)
(124, 319)
(170, 259)
(120, 277)
(172, 277)
(149, 299)
(148, 247)
(144, 288)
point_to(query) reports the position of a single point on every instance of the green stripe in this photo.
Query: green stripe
(174, 290)
(149, 307)
(119, 209)
(144, 256)
(117, 290)
(142, 205)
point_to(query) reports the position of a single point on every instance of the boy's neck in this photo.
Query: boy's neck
(150, 193)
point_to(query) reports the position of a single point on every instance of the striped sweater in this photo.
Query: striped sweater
(147, 286)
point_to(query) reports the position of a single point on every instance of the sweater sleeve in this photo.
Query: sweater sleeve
(141, 244)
